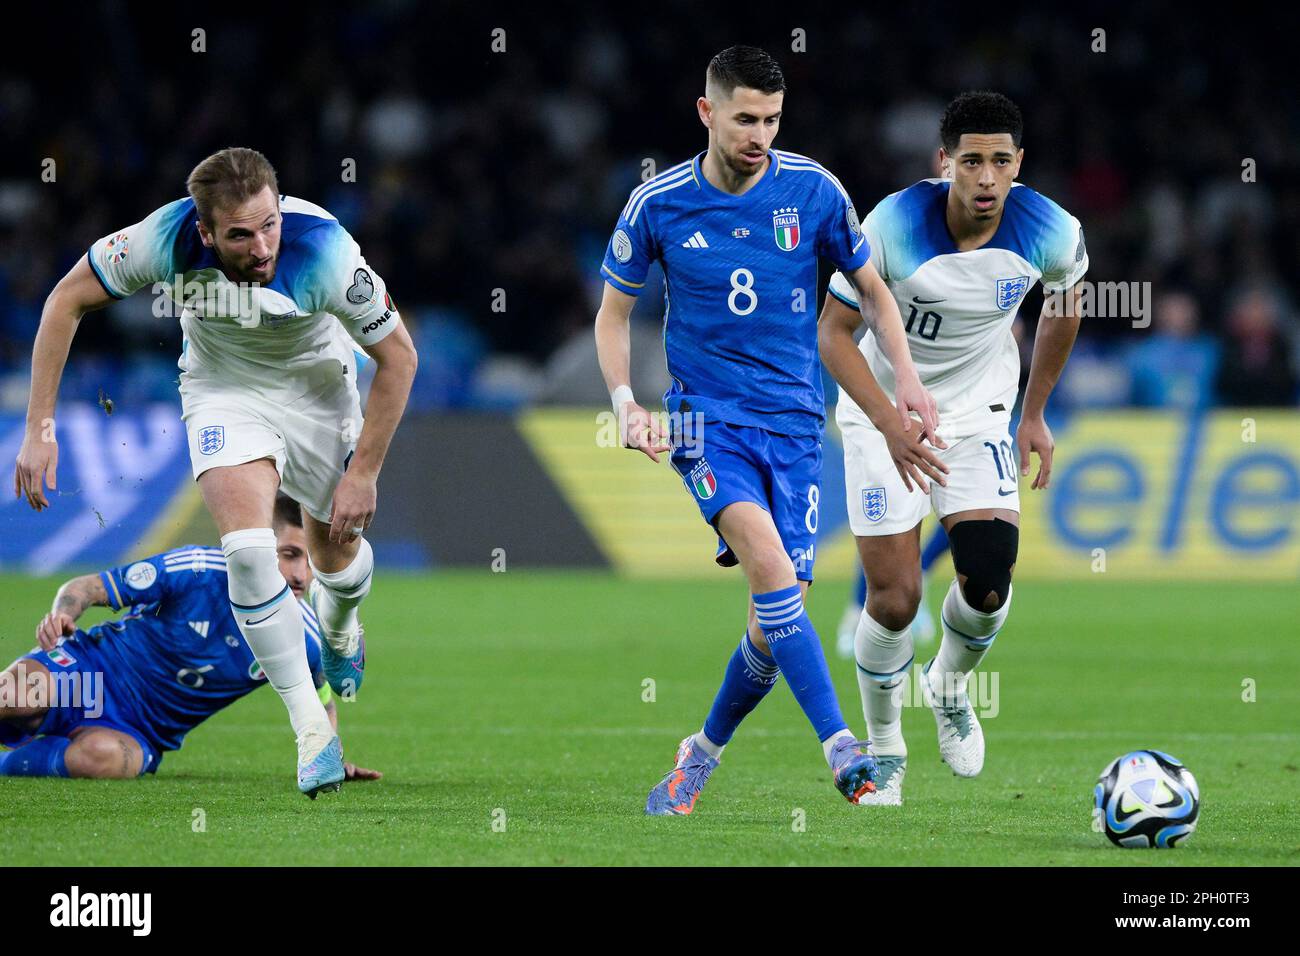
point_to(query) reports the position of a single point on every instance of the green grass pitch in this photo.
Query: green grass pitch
(507, 713)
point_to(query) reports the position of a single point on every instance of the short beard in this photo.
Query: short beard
(740, 168)
(242, 276)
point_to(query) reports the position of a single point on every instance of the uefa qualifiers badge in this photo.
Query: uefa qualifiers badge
(785, 224)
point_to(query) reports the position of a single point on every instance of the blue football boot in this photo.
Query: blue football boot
(854, 769)
(675, 794)
(343, 673)
(324, 774)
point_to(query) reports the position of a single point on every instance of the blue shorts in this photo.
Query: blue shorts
(91, 700)
(726, 463)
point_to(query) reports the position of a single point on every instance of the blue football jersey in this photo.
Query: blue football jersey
(176, 656)
(740, 316)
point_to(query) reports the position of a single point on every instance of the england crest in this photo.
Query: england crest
(703, 483)
(785, 224)
(1010, 291)
(873, 503)
(212, 439)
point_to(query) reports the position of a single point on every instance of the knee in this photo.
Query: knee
(984, 556)
(894, 606)
(770, 569)
(252, 569)
(100, 755)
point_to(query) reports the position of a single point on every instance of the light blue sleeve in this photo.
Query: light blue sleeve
(130, 259)
(1064, 254)
(338, 280)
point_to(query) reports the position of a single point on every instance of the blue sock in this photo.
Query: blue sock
(860, 590)
(798, 652)
(750, 674)
(934, 548)
(42, 757)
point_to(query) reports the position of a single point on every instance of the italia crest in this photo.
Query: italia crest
(1010, 291)
(785, 225)
(874, 504)
(212, 439)
(703, 483)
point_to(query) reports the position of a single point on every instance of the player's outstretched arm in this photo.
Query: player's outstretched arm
(614, 352)
(70, 603)
(357, 494)
(880, 312)
(350, 770)
(835, 328)
(77, 293)
(1058, 325)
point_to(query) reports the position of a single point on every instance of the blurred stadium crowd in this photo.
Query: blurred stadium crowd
(480, 171)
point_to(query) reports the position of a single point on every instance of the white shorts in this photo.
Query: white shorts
(982, 473)
(311, 437)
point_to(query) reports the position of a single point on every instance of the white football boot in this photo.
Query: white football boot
(889, 781)
(961, 739)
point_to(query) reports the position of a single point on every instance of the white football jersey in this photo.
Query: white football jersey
(323, 296)
(958, 307)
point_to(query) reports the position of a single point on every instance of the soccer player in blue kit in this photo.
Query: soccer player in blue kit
(109, 701)
(738, 230)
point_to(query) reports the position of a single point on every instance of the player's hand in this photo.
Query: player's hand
(1034, 435)
(53, 626)
(641, 432)
(353, 507)
(352, 772)
(37, 465)
(911, 396)
(914, 461)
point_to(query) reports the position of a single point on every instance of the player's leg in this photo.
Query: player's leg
(320, 433)
(342, 573)
(782, 620)
(984, 548)
(104, 753)
(240, 499)
(980, 510)
(726, 474)
(885, 517)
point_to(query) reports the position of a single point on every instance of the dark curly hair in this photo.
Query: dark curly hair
(980, 111)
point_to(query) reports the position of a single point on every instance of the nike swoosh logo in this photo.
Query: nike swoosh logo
(267, 618)
(1005, 493)
(920, 301)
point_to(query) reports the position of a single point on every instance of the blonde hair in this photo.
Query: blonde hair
(228, 178)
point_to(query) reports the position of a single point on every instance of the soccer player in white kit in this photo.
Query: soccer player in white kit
(272, 293)
(958, 254)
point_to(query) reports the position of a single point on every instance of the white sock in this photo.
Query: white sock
(271, 622)
(708, 746)
(339, 596)
(883, 658)
(829, 743)
(967, 636)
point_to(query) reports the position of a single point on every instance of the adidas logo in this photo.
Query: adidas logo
(696, 241)
(200, 627)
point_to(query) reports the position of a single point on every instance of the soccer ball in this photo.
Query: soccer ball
(1146, 798)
